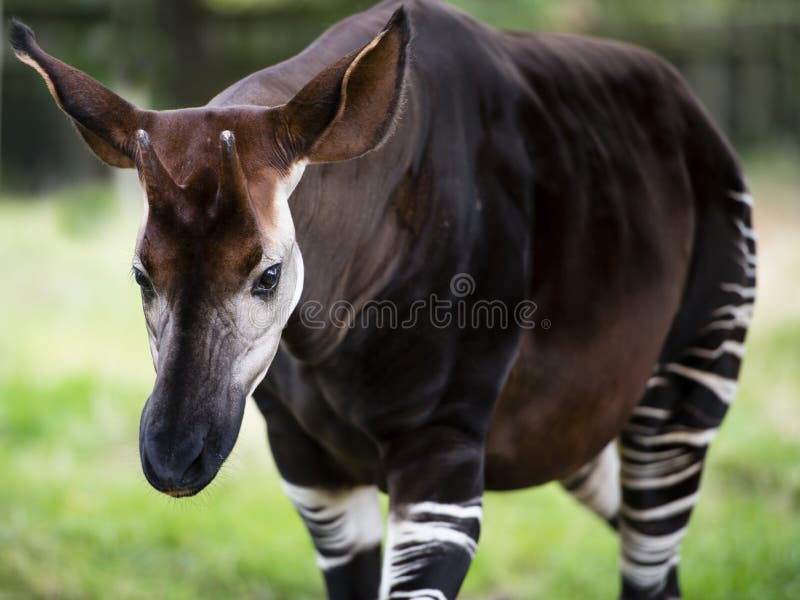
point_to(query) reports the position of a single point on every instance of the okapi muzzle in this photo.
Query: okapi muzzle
(216, 259)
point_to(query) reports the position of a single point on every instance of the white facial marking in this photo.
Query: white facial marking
(288, 184)
(265, 319)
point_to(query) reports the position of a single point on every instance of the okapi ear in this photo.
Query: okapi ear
(105, 120)
(349, 108)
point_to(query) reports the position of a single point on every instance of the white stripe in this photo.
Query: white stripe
(737, 311)
(722, 387)
(750, 258)
(661, 512)
(326, 563)
(649, 456)
(749, 271)
(420, 595)
(741, 317)
(651, 412)
(728, 346)
(422, 534)
(692, 437)
(745, 292)
(656, 381)
(646, 576)
(351, 520)
(650, 548)
(455, 511)
(653, 483)
(420, 538)
(746, 231)
(725, 324)
(600, 491)
(660, 467)
(647, 549)
(742, 197)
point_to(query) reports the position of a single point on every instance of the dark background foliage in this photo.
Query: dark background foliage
(740, 55)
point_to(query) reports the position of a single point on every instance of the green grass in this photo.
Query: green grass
(78, 520)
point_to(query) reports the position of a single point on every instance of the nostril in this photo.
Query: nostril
(196, 469)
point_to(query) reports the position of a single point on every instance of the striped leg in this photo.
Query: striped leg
(435, 484)
(664, 446)
(659, 491)
(429, 547)
(596, 484)
(346, 527)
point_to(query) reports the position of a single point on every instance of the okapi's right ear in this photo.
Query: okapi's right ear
(106, 121)
(350, 108)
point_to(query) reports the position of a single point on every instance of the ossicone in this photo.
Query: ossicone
(232, 180)
(157, 181)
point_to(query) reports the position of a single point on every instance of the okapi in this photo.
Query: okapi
(578, 174)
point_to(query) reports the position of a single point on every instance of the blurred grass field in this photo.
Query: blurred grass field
(78, 520)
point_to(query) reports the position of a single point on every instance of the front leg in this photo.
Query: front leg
(345, 526)
(342, 515)
(435, 481)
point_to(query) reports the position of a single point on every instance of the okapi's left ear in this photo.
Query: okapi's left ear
(105, 120)
(349, 108)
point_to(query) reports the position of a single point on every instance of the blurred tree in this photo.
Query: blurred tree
(740, 55)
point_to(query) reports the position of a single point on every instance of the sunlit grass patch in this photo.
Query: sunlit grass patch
(78, 520)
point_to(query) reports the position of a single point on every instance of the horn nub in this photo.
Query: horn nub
(157, 180)
(232, 181)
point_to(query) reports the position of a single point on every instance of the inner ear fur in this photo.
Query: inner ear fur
(105, 121)
(349, 108)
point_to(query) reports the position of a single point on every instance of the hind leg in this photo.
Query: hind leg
(596, 484)
(663, 448)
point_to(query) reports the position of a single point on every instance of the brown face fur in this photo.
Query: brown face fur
(207, 231)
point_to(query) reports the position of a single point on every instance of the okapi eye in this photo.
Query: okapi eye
(143, 282)
(268, 280)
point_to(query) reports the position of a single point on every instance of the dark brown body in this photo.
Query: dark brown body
(598, 242)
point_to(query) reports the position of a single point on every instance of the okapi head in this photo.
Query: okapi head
(216, 258)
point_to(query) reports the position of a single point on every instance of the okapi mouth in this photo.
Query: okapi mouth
(183, 493)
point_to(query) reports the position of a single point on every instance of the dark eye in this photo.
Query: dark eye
(143, 282)
(268, 280)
